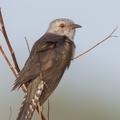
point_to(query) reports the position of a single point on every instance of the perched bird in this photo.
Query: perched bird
(44, 68)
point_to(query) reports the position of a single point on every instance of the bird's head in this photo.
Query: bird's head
(63, 27)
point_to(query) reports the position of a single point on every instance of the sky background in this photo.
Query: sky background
(90, 89)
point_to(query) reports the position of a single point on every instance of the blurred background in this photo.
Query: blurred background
(90, 89)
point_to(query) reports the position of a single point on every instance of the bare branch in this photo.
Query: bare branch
(97, 43)
(7, 60)
(10, 65)
(27, 44)
(42, 116)
(8, 43)
(10, 113)
(48, 109)
(10, 49)
(39, 110)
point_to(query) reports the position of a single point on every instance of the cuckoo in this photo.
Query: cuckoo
(49, 58)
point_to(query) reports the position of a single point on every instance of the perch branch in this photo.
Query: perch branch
(8, 43)
(10, 65)
(11, 50)
(8, 62)
(27, 44)
(42, 116)
(97, 43)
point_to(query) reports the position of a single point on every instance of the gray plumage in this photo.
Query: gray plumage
(43, 70)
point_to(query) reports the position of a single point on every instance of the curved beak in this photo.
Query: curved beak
(75, 26)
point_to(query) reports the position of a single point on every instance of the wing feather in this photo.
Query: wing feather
(49, 57)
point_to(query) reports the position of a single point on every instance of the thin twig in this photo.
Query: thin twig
(48, 110)
(8, 43)
(39, 110)
(10, 49)
(7, 60)
(42, 116)
(27, 44)
(97, 43)
(10, 113)
(10, 65)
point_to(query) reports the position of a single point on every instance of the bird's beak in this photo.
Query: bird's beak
(75, 26)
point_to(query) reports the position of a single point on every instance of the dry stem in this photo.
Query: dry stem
(10, 113)
(27, 44)
(97, 43)
(10, 65)
(7, 60)
(48, 109)
(8, 43)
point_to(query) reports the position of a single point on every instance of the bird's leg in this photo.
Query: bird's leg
(40, 109)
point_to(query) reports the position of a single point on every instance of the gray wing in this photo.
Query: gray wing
(49, 58)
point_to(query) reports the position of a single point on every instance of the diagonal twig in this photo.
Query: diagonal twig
(10, 49)
(48, 110)
(10, 65)
(7, 60)
(10, 114)
(97, 43)
(8, 43)
(27, 44)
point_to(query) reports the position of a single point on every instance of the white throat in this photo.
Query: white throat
(68, 33)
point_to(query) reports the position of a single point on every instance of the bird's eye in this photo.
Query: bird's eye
(62, 25)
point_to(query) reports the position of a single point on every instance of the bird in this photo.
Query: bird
(50, 56)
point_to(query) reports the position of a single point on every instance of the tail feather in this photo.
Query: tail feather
(30, 101)
(26, 112)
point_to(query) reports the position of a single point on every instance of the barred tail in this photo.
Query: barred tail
(30, 101)
(26, 112)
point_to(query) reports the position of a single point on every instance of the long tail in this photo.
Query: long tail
(26, 112)
(30, 100)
